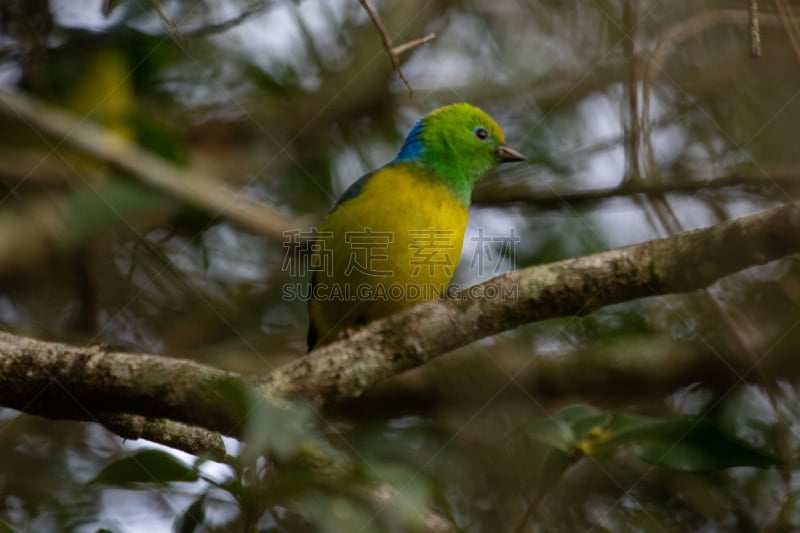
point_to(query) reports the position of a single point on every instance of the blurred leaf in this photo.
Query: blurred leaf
(334, 514)
(92, 209)
(194, 516)
(283, 432)
(566, 428)
(389, 497)
(404, 496)
(688, 444)
(159, 138)
(146, 466)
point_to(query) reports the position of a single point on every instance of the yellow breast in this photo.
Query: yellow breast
(393, 245)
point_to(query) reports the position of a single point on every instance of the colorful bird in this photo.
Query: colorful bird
(394, 237)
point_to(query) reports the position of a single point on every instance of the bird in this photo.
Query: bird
(394, 237)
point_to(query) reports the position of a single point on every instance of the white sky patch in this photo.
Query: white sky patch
(9, 314)
(127, 509)
(600, 119)
(235, 256)
(490, 245)
(347, 167)
(622, 225)
(668, 144)
(274, 40)
(266, 38)
(84, 14)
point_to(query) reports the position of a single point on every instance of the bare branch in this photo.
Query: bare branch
(190, 439)
(226, 24)
(401, 49)
(162, 14)
(789, 22)
(755, 31)
(678, 33)
(497, 195)
(395, 52)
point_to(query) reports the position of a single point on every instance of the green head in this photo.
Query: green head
(460, 144)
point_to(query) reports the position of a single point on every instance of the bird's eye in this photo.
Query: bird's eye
(481, 133)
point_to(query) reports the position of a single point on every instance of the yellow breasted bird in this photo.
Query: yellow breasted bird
(394, 237)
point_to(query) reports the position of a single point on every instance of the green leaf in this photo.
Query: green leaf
(400, 494)
(284, 432)
(690, 445)
(332, 513)
(565, 429)
(687, 444)
(193, 517)
(146, 466)
(98, 208)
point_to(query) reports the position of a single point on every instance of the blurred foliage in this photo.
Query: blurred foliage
(695, 418)
(287, 477)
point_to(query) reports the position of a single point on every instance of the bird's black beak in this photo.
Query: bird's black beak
(508, 154)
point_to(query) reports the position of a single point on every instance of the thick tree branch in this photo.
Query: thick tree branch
(63, 381)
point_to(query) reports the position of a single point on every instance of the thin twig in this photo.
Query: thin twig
(172, 28)
(522, 193)
(678, 33)
(755, 32)
(400, 49)
(227, 23)
(792, 28)
(395, 52)
(633, 129)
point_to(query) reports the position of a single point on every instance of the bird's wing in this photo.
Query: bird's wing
(311, 337)
(351, 192)
(354, 189)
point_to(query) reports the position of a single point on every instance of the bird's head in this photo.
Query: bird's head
(460, 144)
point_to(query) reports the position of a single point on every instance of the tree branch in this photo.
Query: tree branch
(497, 195)
(755, 31)
(191, 439)
(64, 381)
(401, 49)
(394, 51)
